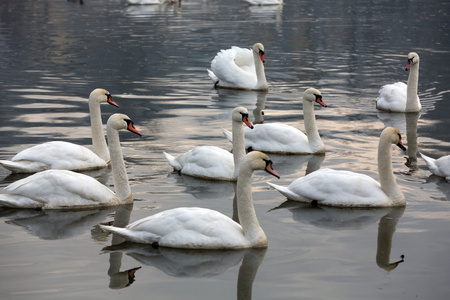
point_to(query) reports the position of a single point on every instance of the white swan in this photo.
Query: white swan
(284, 139)
(212, 162)
(344, 188)
(401, 97)
(239, 68)
(201, 228)
(440, 166)
(265, 2)
(64, 155)
(55, 189)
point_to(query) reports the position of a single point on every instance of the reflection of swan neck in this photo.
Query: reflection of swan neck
(98, 135)
(412, 100)
(247, 272)
(246, 212)
(386, 229)
(386, 174)
(310, 126)
(411, 137)
(120, 176)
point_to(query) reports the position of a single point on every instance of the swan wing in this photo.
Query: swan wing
(440, 166)
(57, 189)
(338, 188)
(234, 67)
(54, 155)
(206, 162)
(185, 227)
(277, 137)
(392, 97)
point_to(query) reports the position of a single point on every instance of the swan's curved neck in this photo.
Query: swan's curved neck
(312, 133)
(246, 212)
(120, 177)
(386, 174)
(260, 74)
(98, 135)
(412, 100)
(237, 130)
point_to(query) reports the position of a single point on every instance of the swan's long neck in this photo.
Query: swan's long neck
(260, 74)
(246, 212)
(386, 174)
(237, 129)
(120, 177)
(309, 118)
(98, 135)
(412, 100)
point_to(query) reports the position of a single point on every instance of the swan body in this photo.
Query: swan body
(239, 68)
(265, 2)
(401, 97)
(144, 2)
(350, 189)
(56, 189)
(64, 155)
(212, 162)
(440, 166)
(284, 139)
(201, 228)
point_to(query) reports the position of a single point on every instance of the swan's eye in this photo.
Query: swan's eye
(410, 60)
(261, 51)
(244, 115)
(399, 136)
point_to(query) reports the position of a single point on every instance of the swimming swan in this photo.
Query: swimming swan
(56, 189)
(239, 68)
(201, 228)
(212, 162)
(401, 97)
(440, 166)
(64, 155)
(284, 139)
(345, 188)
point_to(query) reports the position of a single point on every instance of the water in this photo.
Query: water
(153, 60)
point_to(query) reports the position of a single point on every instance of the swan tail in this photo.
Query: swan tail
(227, 134)
(285, 191)
(213, 76)
(143, 237)
(23, 167)
(431, 163)
(172, 161)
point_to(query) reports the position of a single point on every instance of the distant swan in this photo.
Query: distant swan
(212, 162)
(265, 2)
(440, 166)
(56, 189)
(400, 97)
(64, 155)
(239, 68)
(284, 139)
(345, 188)
(201, 228)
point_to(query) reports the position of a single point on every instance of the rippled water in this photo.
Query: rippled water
(153, 60)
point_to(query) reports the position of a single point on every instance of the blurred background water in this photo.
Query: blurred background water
(153, 60)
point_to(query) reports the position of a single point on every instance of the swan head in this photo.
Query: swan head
(121, 122)
(240, 114)
(258, 48)
(257, 160)
(102, 96)
(393, 136)
(413, 58)
(312, 95)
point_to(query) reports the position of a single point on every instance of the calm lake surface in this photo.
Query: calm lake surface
(153, 60)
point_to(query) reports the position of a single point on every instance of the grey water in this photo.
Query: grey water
(153, 60)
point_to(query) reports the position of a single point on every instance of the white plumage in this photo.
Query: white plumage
(239, 68)
(55, 189)
(201, 228)
(401, 97)
(440, 166)
(64, 155)
(345, 188)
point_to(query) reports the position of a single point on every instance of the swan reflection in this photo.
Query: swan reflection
(335, 218)
(197, 263)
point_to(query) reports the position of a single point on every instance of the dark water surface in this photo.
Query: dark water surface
(153, 60)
